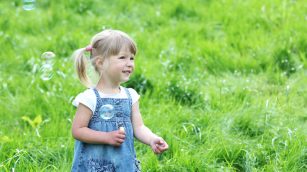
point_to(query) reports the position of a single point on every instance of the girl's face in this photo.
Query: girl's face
(118, 68)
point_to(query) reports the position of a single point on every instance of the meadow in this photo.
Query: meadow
(224, 82)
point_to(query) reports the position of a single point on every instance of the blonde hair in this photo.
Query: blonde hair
(103, 45)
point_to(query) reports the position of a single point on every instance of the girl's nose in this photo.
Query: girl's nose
(130, 63)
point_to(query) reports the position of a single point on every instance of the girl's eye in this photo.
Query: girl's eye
(131, 58)
(122, 57)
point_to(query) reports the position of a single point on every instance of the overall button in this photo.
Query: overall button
(119, 114)
(117, 102)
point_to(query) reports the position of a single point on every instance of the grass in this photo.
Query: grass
(228, 78)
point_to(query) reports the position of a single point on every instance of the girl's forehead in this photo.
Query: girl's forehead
(125, 51)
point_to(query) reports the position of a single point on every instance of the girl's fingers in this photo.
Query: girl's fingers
(157, 151)
(161, 143)
(159, 146)
(165, 146)
(121, 139)
(121, 131)
(162, 147)
(121, 136)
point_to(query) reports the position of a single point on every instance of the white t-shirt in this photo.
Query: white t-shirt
(88, 97)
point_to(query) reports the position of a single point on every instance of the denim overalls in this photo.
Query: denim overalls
(103, 157)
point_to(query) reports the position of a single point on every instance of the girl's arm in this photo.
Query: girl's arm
(80, 130)
(144, 134)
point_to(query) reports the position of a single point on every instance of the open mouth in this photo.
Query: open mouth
(127, 71)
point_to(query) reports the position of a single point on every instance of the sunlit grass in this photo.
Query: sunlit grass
(224, 82)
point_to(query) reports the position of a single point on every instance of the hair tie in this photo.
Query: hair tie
(88, 48)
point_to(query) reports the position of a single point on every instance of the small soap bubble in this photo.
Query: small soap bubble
(106, 111)
(47, 65)
(48, 55)
(46, 72)
(28, 5)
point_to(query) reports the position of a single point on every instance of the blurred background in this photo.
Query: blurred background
(224, 82)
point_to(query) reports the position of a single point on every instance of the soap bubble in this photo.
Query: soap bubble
(47, 73)
(28, 5)
(47, 65)
(48, 55)
(106, 111)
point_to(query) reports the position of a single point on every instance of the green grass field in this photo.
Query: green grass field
(224, 82)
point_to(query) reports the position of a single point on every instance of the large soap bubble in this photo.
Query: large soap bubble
(106, 111)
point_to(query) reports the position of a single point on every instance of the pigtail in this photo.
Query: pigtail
(81, 66)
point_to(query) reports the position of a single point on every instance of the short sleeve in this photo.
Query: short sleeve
(87, 98)
(134, 95)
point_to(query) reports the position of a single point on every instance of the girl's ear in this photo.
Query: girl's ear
(99, 62)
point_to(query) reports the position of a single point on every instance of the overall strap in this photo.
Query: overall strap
(98, 100)
(129, 97)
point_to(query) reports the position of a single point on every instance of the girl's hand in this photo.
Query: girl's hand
(158, 145)
(117, 137)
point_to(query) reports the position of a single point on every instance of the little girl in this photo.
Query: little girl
(108, 115)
